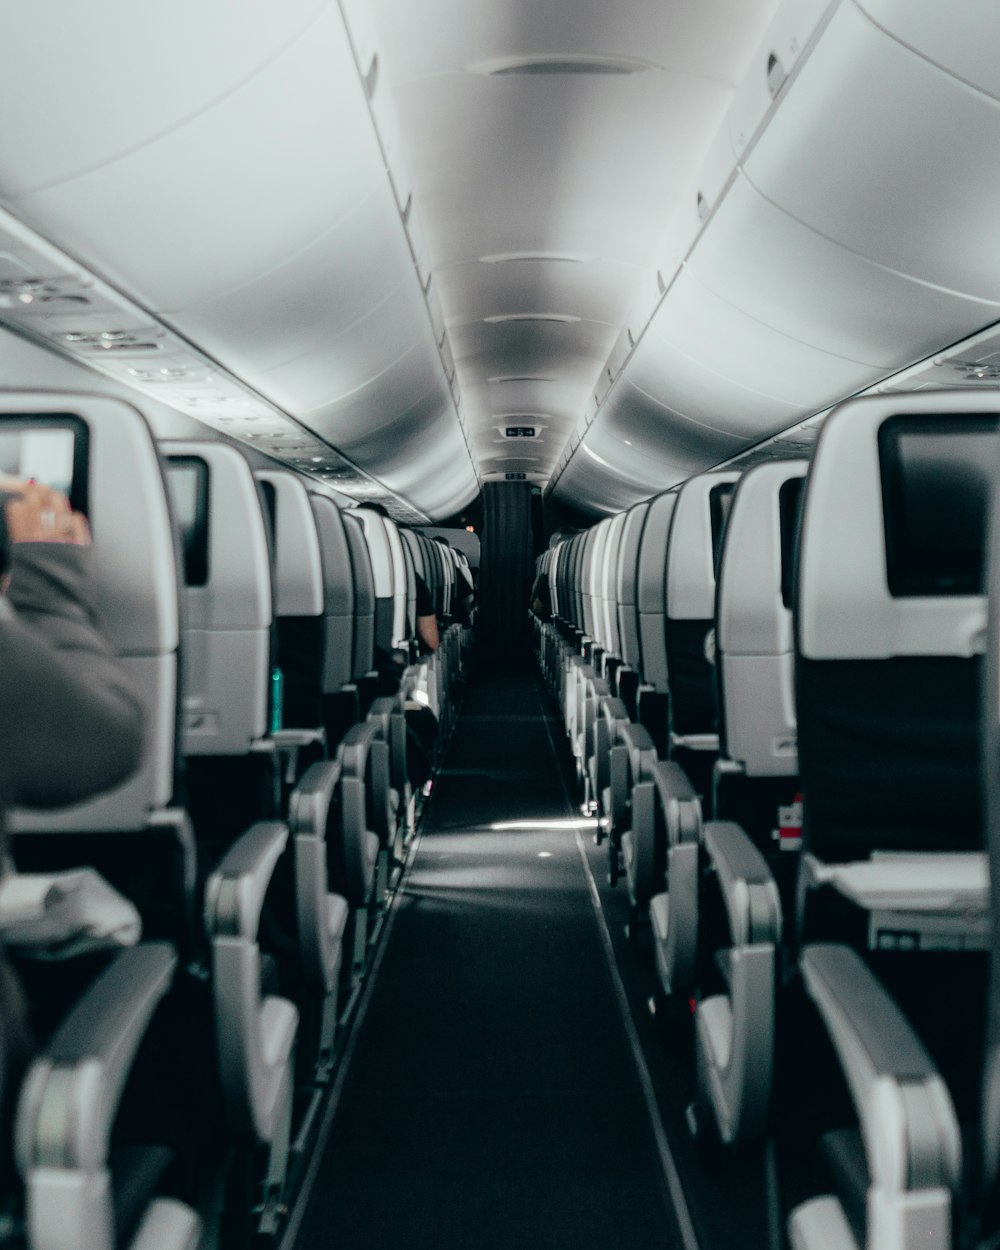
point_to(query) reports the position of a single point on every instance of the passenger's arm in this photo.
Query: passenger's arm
(71, 724)
(427, 629)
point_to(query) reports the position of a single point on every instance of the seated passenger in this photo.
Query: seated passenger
(71, 725)
(541, 597)
(428, 635)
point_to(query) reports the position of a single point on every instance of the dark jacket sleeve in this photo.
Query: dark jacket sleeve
(71, 723)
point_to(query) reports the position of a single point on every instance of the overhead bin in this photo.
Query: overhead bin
(840, 230)
(249, 208)
(930, 28)
(802, 285)
(878, 149)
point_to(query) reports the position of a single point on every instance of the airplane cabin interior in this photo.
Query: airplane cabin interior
(500, 625)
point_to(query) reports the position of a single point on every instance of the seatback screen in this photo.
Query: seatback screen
(187, 479)
(52, 450)
(936, 481)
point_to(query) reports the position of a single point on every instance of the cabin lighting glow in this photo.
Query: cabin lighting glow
(505, 826)
(600, 459)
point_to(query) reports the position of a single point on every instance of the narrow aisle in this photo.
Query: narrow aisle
(492, 1100)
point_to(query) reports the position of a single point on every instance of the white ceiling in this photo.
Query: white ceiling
(350, 225)
(584, 166)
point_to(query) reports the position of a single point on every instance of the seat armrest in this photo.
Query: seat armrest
(353, 750)
(907, 1119)
(309, 805)
(288, 739)
(235, 892)
(70, 1098)
(749, 891)
(678, 801)
(637, 738)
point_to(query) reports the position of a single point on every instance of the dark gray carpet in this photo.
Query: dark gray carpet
(492, 1099)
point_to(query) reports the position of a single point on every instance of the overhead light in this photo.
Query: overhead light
(520, 377)
(561, 63)
(499, 318)
(510, 258)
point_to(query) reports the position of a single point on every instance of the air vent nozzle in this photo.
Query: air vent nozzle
(776, 74)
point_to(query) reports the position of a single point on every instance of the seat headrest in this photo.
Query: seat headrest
(338, 583)
(594, 582)
(102, 453)
(224, 536)
(753, 614)
(893, 528)
(696, 531)
(227, 595)
(627, 584)
(415, 545)
(651, 590)
(609, 588)
(385, 549)
(298, 567)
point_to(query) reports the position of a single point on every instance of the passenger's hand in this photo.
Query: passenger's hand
(38, 514)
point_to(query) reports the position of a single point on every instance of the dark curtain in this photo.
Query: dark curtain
(506, 565)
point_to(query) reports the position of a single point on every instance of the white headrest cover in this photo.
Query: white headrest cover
(690, 557)
(751, 616)
(298, 588)
(651, 586)
(845, 608)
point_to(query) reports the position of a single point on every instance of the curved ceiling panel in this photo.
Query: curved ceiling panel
(586, 287)
(258, 219)
(357, 360)
(591, 477)
(840, 240)
(318, 293)
(704, 358)
(204, 209)
(522, 138)
(579, 129)
(127, 73)
(634, 420)
(810, 289)
(930, 28)
(519, 345)
(878, 149)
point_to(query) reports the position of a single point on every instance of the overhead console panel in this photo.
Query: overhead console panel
(841, 230)
(226, 173)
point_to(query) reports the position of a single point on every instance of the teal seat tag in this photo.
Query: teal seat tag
(277, 699)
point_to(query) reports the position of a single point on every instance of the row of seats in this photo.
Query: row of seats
(290, 721)
(773, 683)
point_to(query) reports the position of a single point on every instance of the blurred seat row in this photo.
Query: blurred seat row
(781, 692)
(290, 722)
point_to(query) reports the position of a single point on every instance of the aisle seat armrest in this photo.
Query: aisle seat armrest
(234, 896)
(321, 915)
(641, 749)
(678, 801)
(905, 1111)
(70, 1097)
(749, 891)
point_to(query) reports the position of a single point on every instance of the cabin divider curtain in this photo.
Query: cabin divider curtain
(506, 565)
